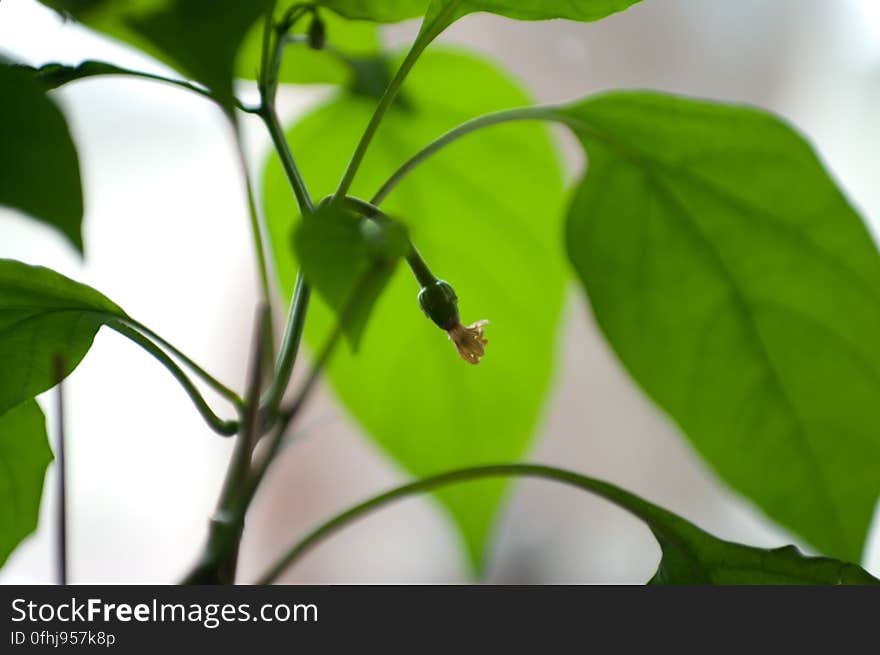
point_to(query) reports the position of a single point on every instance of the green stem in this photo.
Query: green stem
(209, 379)
(256, 228)
(302, 292)
(427, 34)
(641, 508)
(279, 140)
(290, 343)
(387, 99)
(320, 363)
(219, 425)
(496, 118)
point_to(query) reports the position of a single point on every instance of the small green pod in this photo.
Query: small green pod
(440, 304)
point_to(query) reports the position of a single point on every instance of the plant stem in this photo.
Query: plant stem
(496, 118)
(61, 524)
(219, 559)
(287, 417)
(627, 501)
(209, 379)
(226, 428)
(256, 228)
(300, 301)
(290, 343)
(276, 132)
(382, 108)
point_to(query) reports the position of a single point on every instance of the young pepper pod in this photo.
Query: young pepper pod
(439, 302)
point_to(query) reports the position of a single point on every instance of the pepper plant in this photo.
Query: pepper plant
(726, 269)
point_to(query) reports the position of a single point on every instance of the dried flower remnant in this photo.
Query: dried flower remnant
(469, 341)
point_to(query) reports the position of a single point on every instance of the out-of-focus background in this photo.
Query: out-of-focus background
(167, 238)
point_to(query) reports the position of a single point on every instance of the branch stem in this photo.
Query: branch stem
(627, 501)
(381, 109)
(209, 379)
(496, 118)
(219, 425)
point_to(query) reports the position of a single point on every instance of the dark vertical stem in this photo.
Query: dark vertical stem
(61, 515)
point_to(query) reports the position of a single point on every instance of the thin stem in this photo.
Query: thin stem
(247, 436)
(226, 428)
(287, 416)
(256, 227)
(290, 343)
(219, 559)
(279, 140)
(302, 292)
(427, 34)
(384, 104)
(61, 550)
(209, 379)
(630, 502)
(505, 116)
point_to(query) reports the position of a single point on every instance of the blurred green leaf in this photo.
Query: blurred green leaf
(42, 315)
(201, 38)
(380, 11)
(486, 215)
(349, 261)
(347, 43)
(579, 10)
(24, 458)
(742, 292)
(39, 169)
(440, 14)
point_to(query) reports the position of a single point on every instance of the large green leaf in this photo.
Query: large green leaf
(39, 169)
(485, 214)
(44, 315)
(24, 457)
(201, 38)
(742, 292)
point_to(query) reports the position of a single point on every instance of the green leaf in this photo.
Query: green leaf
(348, 42)
(579, 10)
(349, 261)
(485, 215)
(380, 11)
(440, 14)
(43, 315)
(742, 292)
(55, 75)
(24, 458)
(201, 38)
(39, 169)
